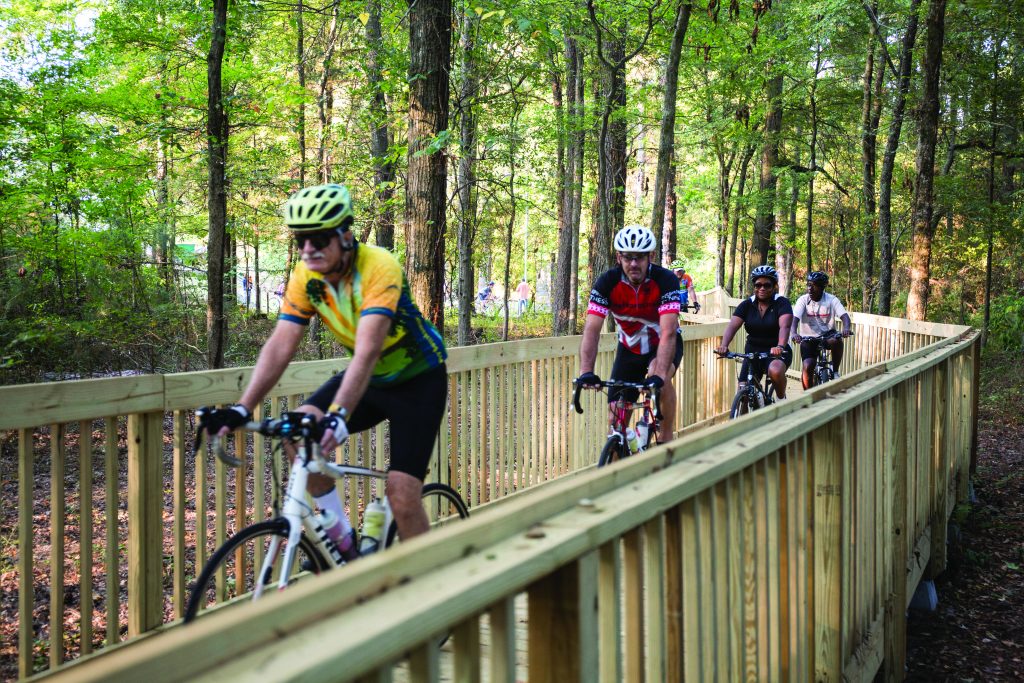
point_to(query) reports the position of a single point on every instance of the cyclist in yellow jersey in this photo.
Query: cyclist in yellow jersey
(397, 371)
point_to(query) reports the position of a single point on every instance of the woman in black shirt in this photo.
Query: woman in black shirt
(766, 316)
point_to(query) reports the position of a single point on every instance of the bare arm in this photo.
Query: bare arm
(693, 294)
(668, 324)
(274, 357)
(735, 323)
(793, 333)
(785, 326)
(588, 347)
(846, 324)
(370, 334)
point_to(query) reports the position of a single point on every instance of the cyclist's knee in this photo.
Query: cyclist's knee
(319, 484)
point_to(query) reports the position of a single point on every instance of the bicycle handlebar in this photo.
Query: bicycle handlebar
(609, 383)
(292, 425)
(753, 355)
(824, 337)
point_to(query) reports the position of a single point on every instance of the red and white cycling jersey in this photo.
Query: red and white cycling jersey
(636, 310)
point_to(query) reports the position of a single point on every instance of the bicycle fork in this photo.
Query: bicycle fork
(296, 514)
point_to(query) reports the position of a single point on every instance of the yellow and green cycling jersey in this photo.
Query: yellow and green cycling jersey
(375, 285)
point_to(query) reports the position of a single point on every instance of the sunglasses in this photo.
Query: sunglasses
(636, 258)
(763, 285)
(319, 240)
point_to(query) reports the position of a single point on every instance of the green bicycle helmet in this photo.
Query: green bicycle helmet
(317, 208)
(677, 265)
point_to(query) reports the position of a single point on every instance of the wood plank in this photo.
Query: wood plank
(32, 405)
(828, 576)
(178, 503)
(57, 523)
(610, 612)
(145, 540)
(632, 591)
(673, 608)
(85, 534)
(466, 637)
(502, 617)
(654, 612)
(424, 663)
(26, 536)
(563, 611)
(111, 506)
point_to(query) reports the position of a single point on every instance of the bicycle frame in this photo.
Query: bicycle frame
(621, 410)
(295, 511)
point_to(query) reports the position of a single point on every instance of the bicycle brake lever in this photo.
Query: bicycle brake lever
(217, 446)
(576, 396)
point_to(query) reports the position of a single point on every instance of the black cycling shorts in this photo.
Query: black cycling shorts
(759, 366)
(632, 367)
(414, 408)
(809, 349)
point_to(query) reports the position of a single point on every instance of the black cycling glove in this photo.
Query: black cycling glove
(231, 417)
(655, 382)
(588, 379)
(336, 423)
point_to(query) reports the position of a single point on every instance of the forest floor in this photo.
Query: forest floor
(977, 632)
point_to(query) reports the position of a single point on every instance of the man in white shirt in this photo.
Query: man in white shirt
(814, 314)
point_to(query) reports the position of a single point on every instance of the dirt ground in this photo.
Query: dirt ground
(977, 632)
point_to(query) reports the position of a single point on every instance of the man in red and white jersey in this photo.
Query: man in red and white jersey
(643, 299)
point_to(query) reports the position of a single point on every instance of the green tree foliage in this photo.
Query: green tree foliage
(103, 181)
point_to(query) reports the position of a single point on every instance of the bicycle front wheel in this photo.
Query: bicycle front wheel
(235, 564)
(443, 505)
(614, 449)
(825, 375)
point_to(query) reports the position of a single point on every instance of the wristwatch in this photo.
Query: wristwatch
(337, 409)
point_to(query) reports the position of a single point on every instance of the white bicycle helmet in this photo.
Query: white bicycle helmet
(634, 238)
(764, 271)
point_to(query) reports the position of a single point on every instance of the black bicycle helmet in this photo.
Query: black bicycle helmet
(818, 278)
(764, 271)
(317, 208)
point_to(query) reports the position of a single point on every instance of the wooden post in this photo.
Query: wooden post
(828, 553)
(58, 513)
(895, 626)
(503, 641)
(145, 542)
(563, 623)
(26, 594)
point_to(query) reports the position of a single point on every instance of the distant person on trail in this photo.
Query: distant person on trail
(686, 291)
(397, 371)
(815, 314)
(524, 292)
(643, 299)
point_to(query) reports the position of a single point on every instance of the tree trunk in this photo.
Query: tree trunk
(668, 229)
(921, 255)
(889, 163)
(748, 154)
(562, 292)
(765, 222)
(611, 172)
(871, 109)
(666, 146)
(466, 174)
(725, 163)
(430, 26)
(217, 147)
(325, 97)
(380, 133)
(812, 163)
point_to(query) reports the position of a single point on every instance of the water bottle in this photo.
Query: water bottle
(373, 527)
(643, 431)
(634, 443)
(324, 540)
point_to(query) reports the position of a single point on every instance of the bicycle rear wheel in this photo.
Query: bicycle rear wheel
(825, 375)
(443, 505)
(236, 558)
(614, 449)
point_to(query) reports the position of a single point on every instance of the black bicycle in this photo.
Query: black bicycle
(823, 371)
(624, 440)
(752, 395)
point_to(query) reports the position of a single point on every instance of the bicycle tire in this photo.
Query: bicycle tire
(443, 505)
(203, 591)
(614, 449)
(768, 398)
(825, 375)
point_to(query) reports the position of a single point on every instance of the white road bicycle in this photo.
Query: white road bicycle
(292, 543)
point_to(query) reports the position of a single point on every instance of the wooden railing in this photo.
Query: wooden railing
(509, 428)
(780, 546)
